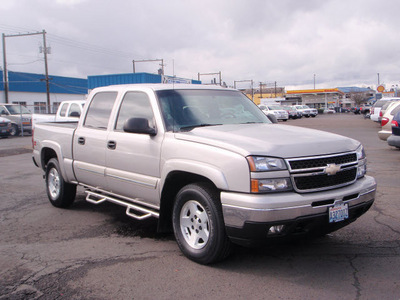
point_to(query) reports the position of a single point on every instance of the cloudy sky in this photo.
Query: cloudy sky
(344, 43)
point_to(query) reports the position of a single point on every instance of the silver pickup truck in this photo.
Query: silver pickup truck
(207, 163)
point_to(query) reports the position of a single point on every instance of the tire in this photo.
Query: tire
(14, 130)
(60, 193)
(198, 224)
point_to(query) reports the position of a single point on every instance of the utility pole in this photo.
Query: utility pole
(275, 89)
(149, 60)
(252, 89)
(378, 80)
(6, 89)
(217, 73)
(5, 75)
(46, 72)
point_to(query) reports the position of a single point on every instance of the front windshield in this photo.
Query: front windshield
(17, 109)
(275, 107)
(187, 109)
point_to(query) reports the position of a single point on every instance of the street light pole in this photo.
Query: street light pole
(314, 81)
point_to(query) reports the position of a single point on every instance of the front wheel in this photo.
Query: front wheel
(61, 194)
(198, 224)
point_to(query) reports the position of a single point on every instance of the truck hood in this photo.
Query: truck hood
(270, 139)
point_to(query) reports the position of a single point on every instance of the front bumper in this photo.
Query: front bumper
(248, 217)
(394, 140)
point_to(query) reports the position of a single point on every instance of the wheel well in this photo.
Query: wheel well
(46, 155)
(173, 184)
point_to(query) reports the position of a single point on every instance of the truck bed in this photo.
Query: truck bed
(58, 136)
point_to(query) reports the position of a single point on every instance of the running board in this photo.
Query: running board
(145, 213)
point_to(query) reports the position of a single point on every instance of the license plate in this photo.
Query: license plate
(338, 213)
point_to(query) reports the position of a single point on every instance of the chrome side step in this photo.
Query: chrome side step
(144, 213)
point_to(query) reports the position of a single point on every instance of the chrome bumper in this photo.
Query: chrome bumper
(239, 209)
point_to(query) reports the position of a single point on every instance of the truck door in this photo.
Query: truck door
(90, 141)
(133, 160)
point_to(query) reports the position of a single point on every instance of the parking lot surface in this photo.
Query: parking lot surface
(97, 252)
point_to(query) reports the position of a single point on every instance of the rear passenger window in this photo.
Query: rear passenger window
(396, 110)
(100, 110)
(134, 105)
(63, 109)
(74, 108)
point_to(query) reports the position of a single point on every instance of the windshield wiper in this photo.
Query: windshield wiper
(190, 127)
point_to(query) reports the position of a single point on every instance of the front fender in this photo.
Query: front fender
(199, 168)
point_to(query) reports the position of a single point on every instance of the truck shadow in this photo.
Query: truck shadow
(119, 222)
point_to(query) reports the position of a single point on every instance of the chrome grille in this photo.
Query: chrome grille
(309, 163)
(309, 174)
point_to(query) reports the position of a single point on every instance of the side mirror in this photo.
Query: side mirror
(139, 125)
(75, 114)
(272, 118)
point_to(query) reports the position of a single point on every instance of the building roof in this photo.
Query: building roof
(30, 82)
(354, 89)
(134, 78)
(314, 91)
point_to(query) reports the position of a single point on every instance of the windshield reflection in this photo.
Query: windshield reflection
(184, 110)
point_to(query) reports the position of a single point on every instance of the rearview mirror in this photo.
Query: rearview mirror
(272, 118)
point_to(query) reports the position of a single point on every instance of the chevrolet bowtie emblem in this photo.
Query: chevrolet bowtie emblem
(332, 169)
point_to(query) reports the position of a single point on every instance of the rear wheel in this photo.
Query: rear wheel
(14, 130)
(198, 224)
(60, 193)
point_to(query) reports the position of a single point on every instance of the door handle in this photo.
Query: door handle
(81, 141)
(111, 145)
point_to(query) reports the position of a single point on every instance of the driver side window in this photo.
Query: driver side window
(134, 105)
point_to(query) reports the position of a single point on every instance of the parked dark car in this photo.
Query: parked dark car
(366, 109)
(5, 127)
(394, 139)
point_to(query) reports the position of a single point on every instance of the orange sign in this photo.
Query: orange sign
(380, 88)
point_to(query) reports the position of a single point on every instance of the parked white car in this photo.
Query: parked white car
(376, 108)
(19, 115)
(279, 112)
(306, 111)
(386, 121)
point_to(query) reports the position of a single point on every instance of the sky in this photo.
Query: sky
(295, 43)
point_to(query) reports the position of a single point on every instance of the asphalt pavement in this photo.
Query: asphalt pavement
(97, 252)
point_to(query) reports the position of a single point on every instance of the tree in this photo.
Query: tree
(358, 97)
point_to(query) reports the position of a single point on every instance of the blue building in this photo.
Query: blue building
(29, 89)
(132, 78)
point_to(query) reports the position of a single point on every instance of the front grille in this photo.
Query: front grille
(323, 180)
(310, 174)
(322, 162)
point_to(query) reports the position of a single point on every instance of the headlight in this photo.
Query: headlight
(360, 153)
(271, 185)
(362, 162)
(265, 164)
